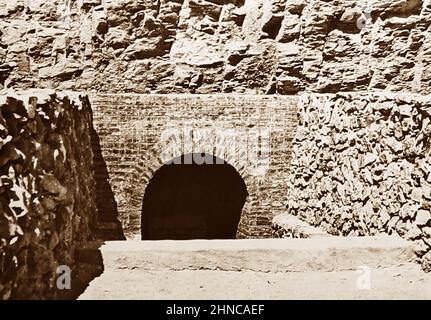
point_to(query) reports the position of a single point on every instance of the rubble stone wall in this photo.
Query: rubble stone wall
(361, 165)
(47, 188)
(204, 46)
(284, 47)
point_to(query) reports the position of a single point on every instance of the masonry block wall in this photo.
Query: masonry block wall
(139, 133)
(47, 187)
(362, 166)
(243, 46)
(274, 47)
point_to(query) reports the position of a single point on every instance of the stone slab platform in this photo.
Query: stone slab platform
(269, 255)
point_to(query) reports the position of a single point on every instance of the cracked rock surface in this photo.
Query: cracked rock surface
(201, 46)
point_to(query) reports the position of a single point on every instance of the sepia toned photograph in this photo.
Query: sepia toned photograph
(234, 151)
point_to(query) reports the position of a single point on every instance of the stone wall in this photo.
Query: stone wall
(281, 47)
(362, 166)
(140, 133)
(47, 188)
(203, 46)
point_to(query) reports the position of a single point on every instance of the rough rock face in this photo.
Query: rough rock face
(253, 46)
(362, 166)
(47, 188)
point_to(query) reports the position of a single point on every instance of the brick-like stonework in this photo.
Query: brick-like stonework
(133, 130)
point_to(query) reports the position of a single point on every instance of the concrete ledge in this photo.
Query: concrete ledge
(271, 255)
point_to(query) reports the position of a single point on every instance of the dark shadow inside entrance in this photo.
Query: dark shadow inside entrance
(188, 199)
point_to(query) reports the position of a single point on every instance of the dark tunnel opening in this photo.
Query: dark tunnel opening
(187, 199)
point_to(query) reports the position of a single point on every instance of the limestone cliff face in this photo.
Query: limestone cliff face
(201, 46)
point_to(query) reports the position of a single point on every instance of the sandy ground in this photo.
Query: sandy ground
(397, 282)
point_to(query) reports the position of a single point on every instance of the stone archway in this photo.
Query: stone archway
(140, 133)
(193, 199)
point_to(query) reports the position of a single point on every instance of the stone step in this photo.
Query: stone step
(268, 255)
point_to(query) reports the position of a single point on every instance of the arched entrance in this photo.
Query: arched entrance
(188, 199)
